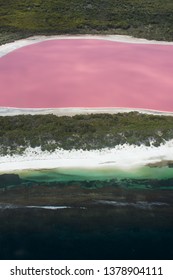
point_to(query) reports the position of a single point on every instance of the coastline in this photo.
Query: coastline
(124, 158)
(9, 47)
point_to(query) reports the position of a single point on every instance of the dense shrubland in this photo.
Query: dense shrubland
(94, 131)
(140, 18)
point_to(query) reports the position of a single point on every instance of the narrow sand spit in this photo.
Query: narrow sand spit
(6, 48)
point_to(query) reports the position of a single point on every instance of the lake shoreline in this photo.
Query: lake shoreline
(72, 111)
(9, 47)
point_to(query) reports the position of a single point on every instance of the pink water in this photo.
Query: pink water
(88, 73)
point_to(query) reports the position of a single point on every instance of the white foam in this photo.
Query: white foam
(46, 207)
(122, 157)
(49, 207)
(138, 204)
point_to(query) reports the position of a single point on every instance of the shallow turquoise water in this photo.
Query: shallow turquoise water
(144, 177)
(104, 174)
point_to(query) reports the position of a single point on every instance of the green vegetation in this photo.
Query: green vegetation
(89, 132)
(140, 18)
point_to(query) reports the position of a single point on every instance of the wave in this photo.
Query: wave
(139, 204)
(46, 207)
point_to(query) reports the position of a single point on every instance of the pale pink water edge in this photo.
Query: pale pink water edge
(88, 73)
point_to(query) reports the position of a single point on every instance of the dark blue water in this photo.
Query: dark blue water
(131, 219)
(100, 232)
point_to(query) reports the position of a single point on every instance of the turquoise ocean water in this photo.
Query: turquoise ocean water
(100, 174)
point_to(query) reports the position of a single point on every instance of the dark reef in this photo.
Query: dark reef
(9, 179)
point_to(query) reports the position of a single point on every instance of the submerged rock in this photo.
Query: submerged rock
(9, 179)
(162, 163)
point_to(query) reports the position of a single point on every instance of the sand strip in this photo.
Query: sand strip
(10, 111)
(9, 47)
(125, 157)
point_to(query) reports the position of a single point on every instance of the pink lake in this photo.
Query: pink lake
(88, 73)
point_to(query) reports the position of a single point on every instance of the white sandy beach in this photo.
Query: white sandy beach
(9, 47)
(123, 157)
